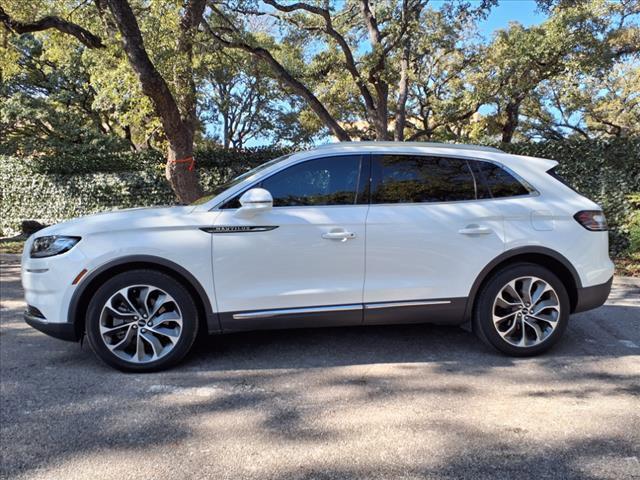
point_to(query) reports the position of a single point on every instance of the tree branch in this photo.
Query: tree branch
(50, 22)
(350, 62)
(282, 74)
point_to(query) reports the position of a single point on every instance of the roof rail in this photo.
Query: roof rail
(458, 146)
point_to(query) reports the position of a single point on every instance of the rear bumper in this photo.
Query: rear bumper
(63, 331)
(592, 297)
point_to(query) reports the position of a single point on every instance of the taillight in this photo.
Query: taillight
(593, 220)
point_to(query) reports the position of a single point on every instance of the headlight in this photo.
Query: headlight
(52, 245)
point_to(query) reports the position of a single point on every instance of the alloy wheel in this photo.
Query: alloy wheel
(526, 311)
(140, 323)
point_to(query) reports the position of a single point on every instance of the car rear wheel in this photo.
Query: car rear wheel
(141, 321)
(522, 310)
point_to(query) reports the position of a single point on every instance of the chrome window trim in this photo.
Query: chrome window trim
(534, 192)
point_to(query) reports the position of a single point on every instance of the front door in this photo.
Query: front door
(300, 263)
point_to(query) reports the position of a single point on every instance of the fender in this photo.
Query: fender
(504, 256)
(213, 323)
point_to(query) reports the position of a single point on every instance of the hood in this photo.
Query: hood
(127, 219)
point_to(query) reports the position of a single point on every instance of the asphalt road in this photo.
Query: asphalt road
(368, 402)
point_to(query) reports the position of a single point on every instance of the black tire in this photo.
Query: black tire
(166, 283)
(483, 324)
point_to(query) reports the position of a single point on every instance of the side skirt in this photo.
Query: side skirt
(438, 311)
(446, 311)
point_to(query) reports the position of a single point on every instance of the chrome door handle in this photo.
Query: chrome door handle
(339, 235)
(475, 230)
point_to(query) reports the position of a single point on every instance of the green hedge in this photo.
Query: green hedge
(51, 189)
(88, 159)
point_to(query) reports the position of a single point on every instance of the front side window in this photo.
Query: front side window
(419, 179)
(235, 181)
(499, 182)
(318, 182)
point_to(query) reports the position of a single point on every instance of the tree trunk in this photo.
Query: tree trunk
(512, 112)
(403, 94)
(179, 169)
(179, 131)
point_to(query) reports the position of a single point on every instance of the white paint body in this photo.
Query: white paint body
(398, 252)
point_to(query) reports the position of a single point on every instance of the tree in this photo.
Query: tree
(242, 101)
(177, 112)
(579, 37)
(370, 44)
(587, 106)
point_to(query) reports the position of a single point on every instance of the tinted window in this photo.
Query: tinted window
(500, 182)
(225, 186)
(414, 179)
(554, 173)
(324, 181)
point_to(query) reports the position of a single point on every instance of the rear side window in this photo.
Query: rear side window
(418, 179)
(499, 182)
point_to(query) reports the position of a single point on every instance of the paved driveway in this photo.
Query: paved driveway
(371, 402)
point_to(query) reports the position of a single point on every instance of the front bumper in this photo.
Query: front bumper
(63, 331)
(592, 297)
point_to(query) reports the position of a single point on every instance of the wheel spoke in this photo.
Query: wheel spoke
(523, 334)
(127, 316)
(139, 348)
(160, 302)
(542, 288)
(527, 285)
(545, 305)
(510, 288)
(124, 342)
(535, 327)
(124, 294)
(156, 346)
(145, 301)
(106, 330)
(167, 317)
(172, 334)
(511, 329)
(497, 320)
(550, 321)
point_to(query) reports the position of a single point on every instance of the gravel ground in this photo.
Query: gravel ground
(369, 402)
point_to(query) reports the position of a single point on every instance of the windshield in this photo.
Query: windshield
(231, 183)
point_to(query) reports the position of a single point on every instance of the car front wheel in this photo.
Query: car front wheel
(522, 310)
(141, 320)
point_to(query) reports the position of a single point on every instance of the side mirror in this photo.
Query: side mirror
(254, 201)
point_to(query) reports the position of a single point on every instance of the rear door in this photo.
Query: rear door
(431, 228)
(302, 262)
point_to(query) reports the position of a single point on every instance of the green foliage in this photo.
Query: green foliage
(89, 159)
(634, 224)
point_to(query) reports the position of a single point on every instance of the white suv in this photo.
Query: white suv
(346, 234)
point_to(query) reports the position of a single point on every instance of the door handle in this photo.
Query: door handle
(475, 230)
(341, 235)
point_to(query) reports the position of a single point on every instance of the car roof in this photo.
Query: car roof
(394, 145)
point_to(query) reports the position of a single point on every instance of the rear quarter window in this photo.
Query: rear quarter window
(499, 181)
